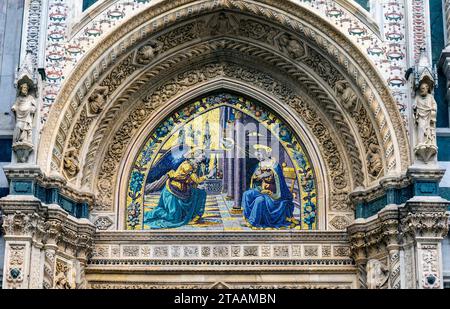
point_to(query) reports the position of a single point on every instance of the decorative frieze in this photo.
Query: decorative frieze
(228, 252)
(209, 285)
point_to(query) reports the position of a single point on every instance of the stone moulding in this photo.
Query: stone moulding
(214, 265)
(215, 237)
(338, 284)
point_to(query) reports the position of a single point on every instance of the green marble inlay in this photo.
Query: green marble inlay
(392, 196)
(88, 3)
(443, 143)
(444, 192)
(22, 187)
(426, 188)
(364, 4)
(437, 45)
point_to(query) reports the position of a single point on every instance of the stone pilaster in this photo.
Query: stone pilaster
(375, 241)
(358, 249)
(424, 225)
(46, 247)
(53, 228)
(22, 223)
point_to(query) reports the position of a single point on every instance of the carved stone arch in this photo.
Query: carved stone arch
(275, 11)
(335, 113)
(338, 206)
(149, 77)
(131, 62)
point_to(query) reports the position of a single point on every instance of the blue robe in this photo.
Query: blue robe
(180, 205)
(174, 212)
(263, 211)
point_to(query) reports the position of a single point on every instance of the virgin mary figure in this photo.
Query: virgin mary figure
(181, 201)
(268, 203)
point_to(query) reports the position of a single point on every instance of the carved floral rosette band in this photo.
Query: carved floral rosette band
(179, 126)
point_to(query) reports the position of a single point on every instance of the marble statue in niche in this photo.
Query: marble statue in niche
(24, 110)
(425, 108)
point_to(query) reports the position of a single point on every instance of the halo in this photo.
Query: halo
(264, 147)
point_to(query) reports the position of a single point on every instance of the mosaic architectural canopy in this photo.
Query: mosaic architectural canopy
(204, 139)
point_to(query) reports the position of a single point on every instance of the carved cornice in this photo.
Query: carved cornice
(215, 237)
(374, 192)
(66, 189)
(19, 171)
(50, 226)
(369, 238)
(211, 285)
(223, 265)
(396, 226)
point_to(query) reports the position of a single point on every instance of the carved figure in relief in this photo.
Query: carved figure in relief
(348, 97)
(223, 24)
(65, 277)
(425, 117)
(377, 274)
(97, 100)
(24, 109)
(374, 160)
(147, 53)
(290, 45)
(71, 165)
